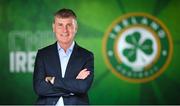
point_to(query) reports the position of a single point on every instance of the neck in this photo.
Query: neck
(65, 46)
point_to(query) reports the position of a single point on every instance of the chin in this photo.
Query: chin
(64, 42)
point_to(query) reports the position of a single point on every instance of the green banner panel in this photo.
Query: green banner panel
(136, 44)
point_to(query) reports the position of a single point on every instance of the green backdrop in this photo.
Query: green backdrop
(25, 26)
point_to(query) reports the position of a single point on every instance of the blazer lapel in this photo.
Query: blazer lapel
(72, 61)
(55, 61)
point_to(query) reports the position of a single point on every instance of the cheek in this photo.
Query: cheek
(73, 31)
(57, 30)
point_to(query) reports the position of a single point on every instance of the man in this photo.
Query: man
(63, 71)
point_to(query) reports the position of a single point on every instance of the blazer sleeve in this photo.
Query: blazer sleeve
(41, 87)
(78, 86)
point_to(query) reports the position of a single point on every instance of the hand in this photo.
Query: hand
(83, 74)
(49, 79)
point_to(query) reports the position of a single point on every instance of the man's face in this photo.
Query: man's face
(65, 29)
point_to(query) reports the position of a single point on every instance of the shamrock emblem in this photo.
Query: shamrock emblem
(134, 40)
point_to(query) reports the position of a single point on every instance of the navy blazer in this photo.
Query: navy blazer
(47, 63)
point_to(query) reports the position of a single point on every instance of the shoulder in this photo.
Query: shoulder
(48, 49)
(83, 51)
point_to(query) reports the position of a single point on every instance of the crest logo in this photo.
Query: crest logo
(137, 47)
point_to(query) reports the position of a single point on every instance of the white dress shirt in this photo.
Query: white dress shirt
(64, 58)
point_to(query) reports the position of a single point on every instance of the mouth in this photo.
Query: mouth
(64, 34)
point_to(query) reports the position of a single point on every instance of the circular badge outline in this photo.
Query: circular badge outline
(150, 30)
(113, 70)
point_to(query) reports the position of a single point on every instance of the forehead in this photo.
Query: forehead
(64, 20)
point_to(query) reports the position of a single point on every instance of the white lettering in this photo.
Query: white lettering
(154, 26)
(117, 28)
(11, 60)
(31, 59)
(125, 23)
(113, 36)
(144, 21)
(21, 61)
(133, 20)
(161, 33)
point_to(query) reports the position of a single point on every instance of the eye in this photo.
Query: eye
(59, 24)
(69, 25)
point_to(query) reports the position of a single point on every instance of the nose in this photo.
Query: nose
(64, 29)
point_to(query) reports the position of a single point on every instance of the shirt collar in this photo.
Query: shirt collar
(70, 49)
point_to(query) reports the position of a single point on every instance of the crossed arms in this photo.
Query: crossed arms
(81, 76)
(56, 86)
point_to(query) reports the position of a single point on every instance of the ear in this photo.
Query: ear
(76, 28)
(76, 25)
(53, 27)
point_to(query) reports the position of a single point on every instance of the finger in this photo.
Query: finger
(86, 73)
(84, 70)
(47, 79)
(83, 75)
